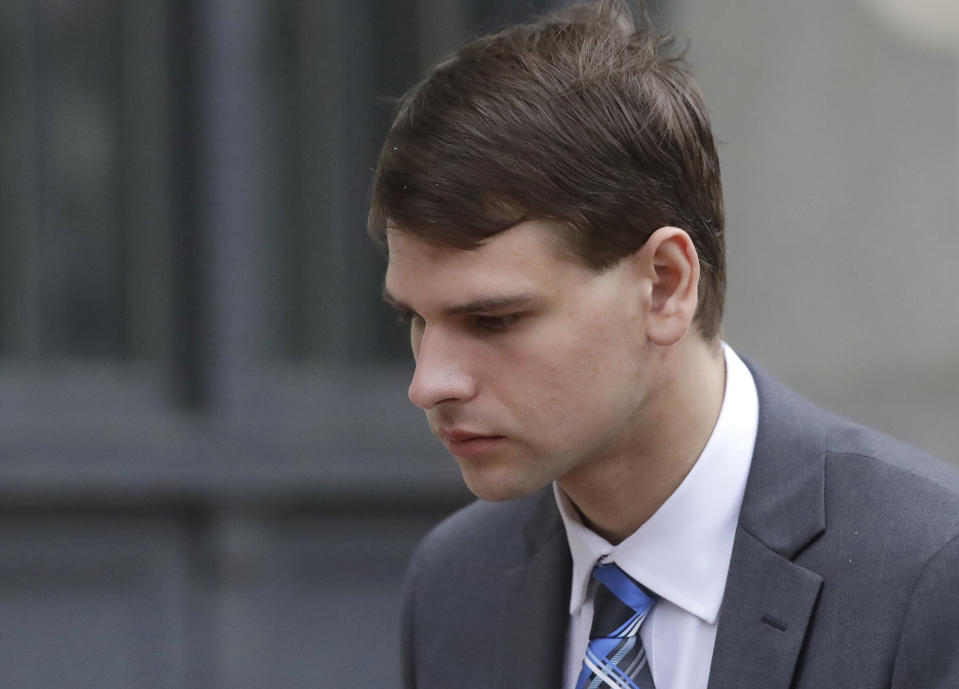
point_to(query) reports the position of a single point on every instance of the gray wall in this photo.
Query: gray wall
(841, 174)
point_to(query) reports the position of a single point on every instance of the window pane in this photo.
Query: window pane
(333, 69)
(72, 147)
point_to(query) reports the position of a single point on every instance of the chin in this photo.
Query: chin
(499, 488)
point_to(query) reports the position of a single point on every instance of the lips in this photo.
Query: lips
(467, 444)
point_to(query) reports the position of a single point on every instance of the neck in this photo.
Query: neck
(617, 494)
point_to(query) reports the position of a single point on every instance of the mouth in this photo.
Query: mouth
(466, 444)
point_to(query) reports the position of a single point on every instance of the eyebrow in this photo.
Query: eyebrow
(483, 305)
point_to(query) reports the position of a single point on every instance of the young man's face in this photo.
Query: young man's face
(528, 364)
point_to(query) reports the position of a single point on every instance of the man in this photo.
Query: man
(550, 197)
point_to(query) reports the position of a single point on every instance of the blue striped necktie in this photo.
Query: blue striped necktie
(615, 656)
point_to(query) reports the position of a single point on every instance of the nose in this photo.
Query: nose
(440, 374)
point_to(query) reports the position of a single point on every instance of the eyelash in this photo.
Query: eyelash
(496, 323)
(488, 323)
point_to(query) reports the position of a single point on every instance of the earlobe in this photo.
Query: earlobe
(672, 266)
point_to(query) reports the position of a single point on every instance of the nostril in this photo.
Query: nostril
(433, 386)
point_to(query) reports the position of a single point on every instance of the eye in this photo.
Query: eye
(497, 323)
(407, 318)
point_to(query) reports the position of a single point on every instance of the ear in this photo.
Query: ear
(670, 264)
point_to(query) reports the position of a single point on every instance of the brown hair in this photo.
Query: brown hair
(579, 117)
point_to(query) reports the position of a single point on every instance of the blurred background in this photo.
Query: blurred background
(209, 474)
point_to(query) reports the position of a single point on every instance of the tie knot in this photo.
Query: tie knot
(620, 603)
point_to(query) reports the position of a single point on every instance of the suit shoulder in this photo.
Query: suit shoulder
(886, 463)
(790, 423)
(876, 490)
(847, 439)
(481, 533)
(911, 495)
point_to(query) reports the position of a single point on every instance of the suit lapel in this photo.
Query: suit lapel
(533, 616)
(766, 609)
(769, 599)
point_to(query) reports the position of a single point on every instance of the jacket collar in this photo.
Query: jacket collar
(784, 504)
(531, 638)
(769, 599)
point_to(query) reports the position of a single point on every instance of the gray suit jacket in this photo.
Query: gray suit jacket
(844, 573)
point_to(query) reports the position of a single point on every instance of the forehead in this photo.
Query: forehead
(525, 257)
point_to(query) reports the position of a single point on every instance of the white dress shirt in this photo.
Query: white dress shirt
(682, 552)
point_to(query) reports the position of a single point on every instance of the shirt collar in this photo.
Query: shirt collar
(682, 552)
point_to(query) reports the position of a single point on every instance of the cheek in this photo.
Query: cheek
(604, 377)
(599, 349)
(569, 369)
(571, 373)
